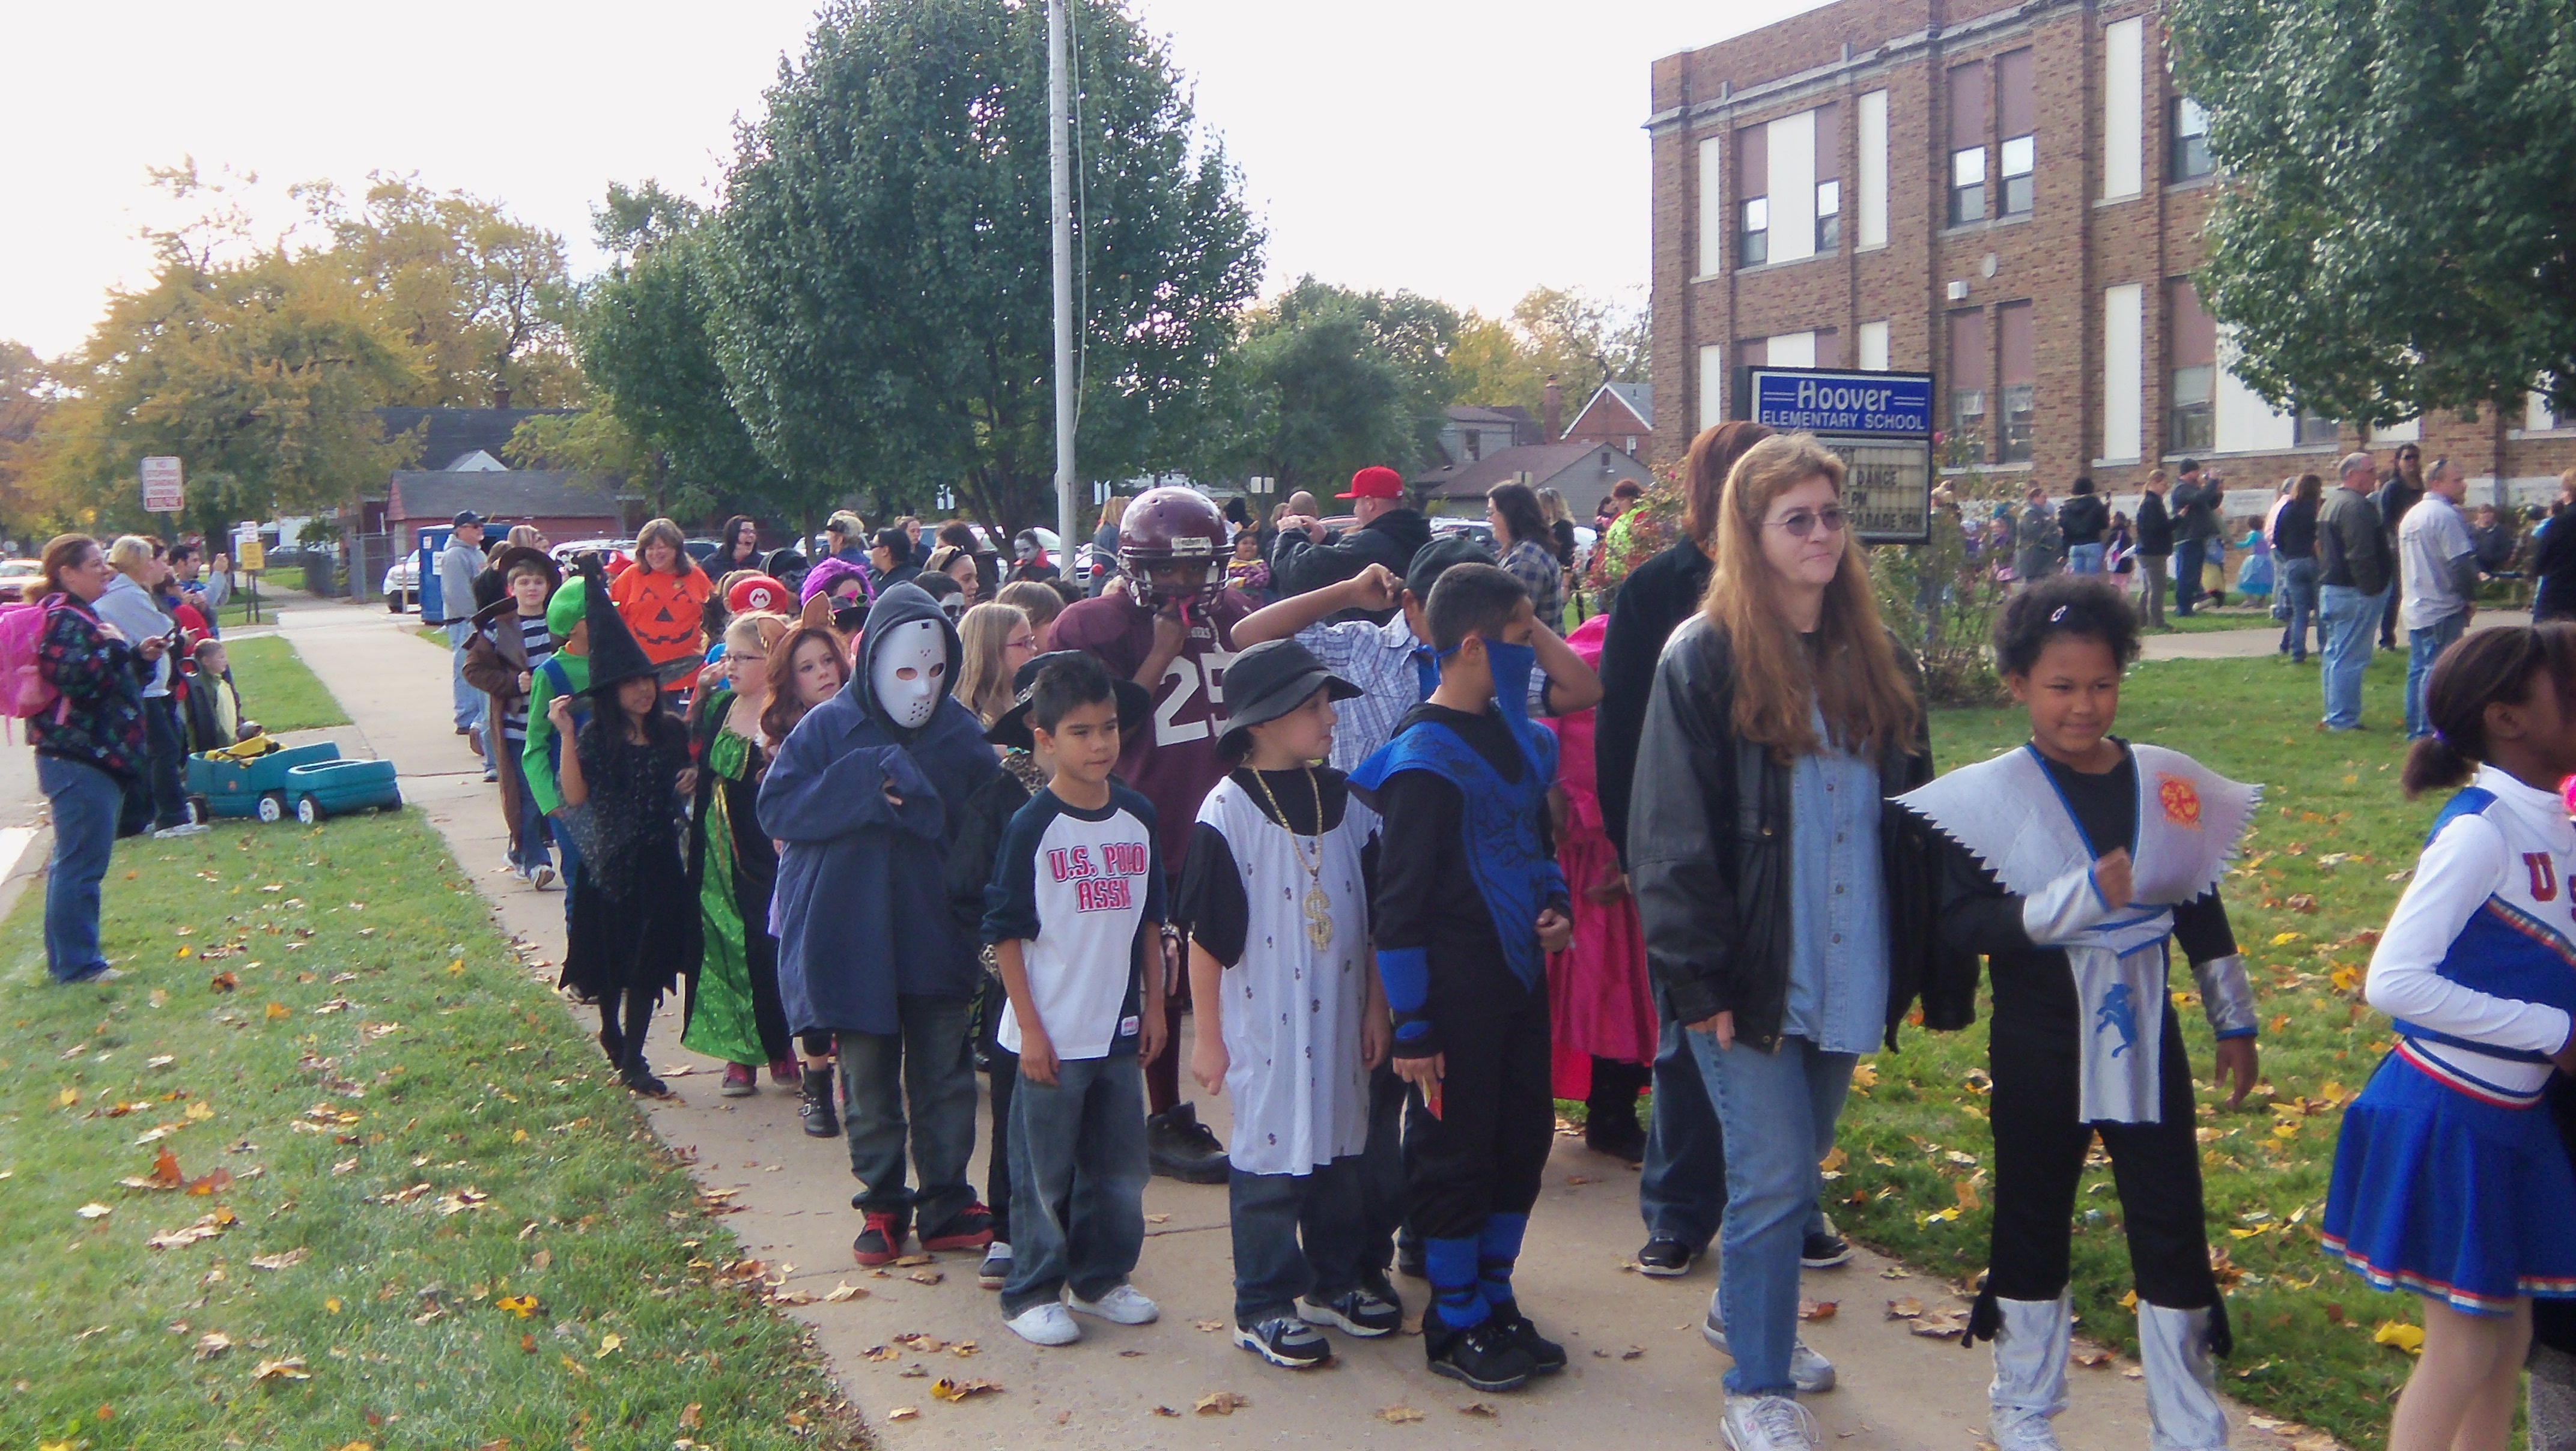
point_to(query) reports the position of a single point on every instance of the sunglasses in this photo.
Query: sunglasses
(1805, 522)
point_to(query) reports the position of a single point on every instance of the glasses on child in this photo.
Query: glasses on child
(1805, 521)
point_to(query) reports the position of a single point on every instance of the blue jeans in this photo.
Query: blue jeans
(2299, 594)
(2083, 559)
(2188, 556)
(527, 834)
(1682, 1194)
(1778, 1109)
(1272, 1214)
(1078, 1175)
(2347, 621)
(469, 701)
(85, 802)
(930, 1063)
(2423, 648)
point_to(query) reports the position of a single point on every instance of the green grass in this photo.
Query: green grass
(277, 689)
(2322, 869)
(2203, 620)
(381, 1037)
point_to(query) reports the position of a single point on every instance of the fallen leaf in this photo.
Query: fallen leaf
(1481, 1410)
(1833, 1160)
(206, 1227)
(907, 1261)
(944, 1389)
(844, 1291)
(1399, 1415)
(2408, 1338)
(609, 1345)
(903, 1413)
(522, 1306)
(1967, 1193)
(1905, 1309)
(286, 1261)
(2092, 1359)
(200, 1111)
(1165, 1411)
(1158, 1219)
(880, 1352)
(1221, 1403)
(215, 1182)
(212, 1344)
(925, 1277)
(67, 1098)
(1818, 1309)
(1209, 1326)
(1939, 1324)
(223, 982)
(290, 1368)
(277, 1010)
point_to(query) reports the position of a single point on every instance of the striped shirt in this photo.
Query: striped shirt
(539, 642)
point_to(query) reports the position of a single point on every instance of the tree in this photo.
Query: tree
(2395, 236)
(1581, 340)
(481, 295)
(263, 375)
(1326, 381)
(25, 397)
(881, 279)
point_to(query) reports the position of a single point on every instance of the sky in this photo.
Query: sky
(1467, 149)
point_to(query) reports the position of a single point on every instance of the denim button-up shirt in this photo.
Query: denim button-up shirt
(1838, 904)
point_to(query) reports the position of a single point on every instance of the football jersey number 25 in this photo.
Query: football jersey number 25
(1187, 676)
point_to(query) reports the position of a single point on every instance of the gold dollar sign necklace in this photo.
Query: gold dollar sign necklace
(1319, 908)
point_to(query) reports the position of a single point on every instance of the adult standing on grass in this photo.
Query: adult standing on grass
(2155, 546)
(2438, 577)
(458, 564)
(2553, 560)
(1682, 1195)
(2355, 566)
(2082, 520)
(2398, 495)
(1788, 911)
(2294, 544)
(90, 748)
(2195, 521)
(127, 603)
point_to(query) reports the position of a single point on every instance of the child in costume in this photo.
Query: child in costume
(2450, 1179)
(1468, 904)
(863, 795)
(512, 639)
(1075, 916)
(2071, 863)
(633, 930)
(565, 674)
(736, 1013)
(1289, 1020)
(807, 667)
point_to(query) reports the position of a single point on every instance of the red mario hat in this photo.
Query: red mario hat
(759, 592)
(1377, 481)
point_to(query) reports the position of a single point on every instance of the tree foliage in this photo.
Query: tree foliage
(1326, 381)
(26, 396)
(1582, 340)
(2396, 233)
(881, 279)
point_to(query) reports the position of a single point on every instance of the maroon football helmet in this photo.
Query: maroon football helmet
(1167, 525)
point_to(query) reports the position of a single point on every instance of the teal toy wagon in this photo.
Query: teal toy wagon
(305, 782)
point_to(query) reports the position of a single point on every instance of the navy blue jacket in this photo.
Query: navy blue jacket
(861, 882)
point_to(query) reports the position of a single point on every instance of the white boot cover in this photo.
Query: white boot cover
(2030, 1374)
(2182, 1391)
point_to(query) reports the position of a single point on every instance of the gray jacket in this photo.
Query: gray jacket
(458, 563)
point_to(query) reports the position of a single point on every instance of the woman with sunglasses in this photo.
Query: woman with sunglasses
(1788, 914)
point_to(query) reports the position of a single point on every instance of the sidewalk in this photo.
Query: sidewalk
(2260, 640)
(1639, 1363)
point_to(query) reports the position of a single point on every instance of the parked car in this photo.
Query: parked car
(402, 584)
(17, 575)
(613, 554)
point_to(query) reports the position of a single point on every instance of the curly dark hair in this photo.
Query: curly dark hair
(2085, 606)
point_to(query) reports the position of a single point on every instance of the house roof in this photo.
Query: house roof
(1545, 463)
(1508, 413)
(450, 434)
(1603, 411)
(499, 494)
(1640, 398)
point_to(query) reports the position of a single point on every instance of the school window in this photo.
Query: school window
(2191, 345)
(1827, 153)
(1968, 371)
(2190, 139)
(2020, 383)
(1756, 246)
(1967, 143)
(1829, 216)
(2017, 119)
(1475, 445)
(1968, 186)
(2317, 432)
(1753, 184)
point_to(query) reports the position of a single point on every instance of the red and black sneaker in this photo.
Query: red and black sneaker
(969, 1228)
(880, 1242)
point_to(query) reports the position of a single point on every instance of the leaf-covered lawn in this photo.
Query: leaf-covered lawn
(444, 1226)
(277, 689)
(2321, 871)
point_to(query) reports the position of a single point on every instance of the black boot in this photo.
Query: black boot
(822, 1117)
(1610, 1113)
(638, 1076)
(1180, 1147)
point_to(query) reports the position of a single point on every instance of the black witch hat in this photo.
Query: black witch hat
(614, 655)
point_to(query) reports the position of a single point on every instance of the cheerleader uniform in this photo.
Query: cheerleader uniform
(2448, 1179)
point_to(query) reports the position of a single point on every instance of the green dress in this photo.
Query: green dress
(735, 1013)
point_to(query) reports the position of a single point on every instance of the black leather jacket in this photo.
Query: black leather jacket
(1709, 848)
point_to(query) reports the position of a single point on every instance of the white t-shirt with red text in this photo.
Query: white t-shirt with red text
(1081, 891)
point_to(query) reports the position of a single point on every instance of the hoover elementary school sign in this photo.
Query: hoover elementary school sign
(1881, 426)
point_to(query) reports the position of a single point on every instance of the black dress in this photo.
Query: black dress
(634, 924)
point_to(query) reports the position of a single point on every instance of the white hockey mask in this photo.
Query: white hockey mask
(909, 672)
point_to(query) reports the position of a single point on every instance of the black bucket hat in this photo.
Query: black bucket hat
(1011, 728)
(1268, 681)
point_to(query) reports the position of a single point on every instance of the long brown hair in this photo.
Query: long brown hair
(1864, 697)
(785, 709)
(1711, 458)
(2500, 666)
(2310, 489)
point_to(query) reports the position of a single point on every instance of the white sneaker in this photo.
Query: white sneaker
(1768, 1423)
(1045, 1323)
(1811, 1373)
(1125, 1305)
(541, 876)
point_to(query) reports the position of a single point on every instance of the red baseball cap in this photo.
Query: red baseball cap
(759, 592)
(1377, 481)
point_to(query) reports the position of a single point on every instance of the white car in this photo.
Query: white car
(402, 584)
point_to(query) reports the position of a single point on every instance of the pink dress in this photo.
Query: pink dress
(1599, 1002)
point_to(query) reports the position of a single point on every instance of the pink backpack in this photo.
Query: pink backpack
(25, 693)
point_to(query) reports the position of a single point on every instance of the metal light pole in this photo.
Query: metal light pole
(1060, 195)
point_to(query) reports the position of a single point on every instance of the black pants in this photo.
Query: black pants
(760, 957)
(1382, 1169)
(2039, 1160)
(1484, 1152)
(168, 756)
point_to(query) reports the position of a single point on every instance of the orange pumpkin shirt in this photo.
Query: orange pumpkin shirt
(666, 612)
